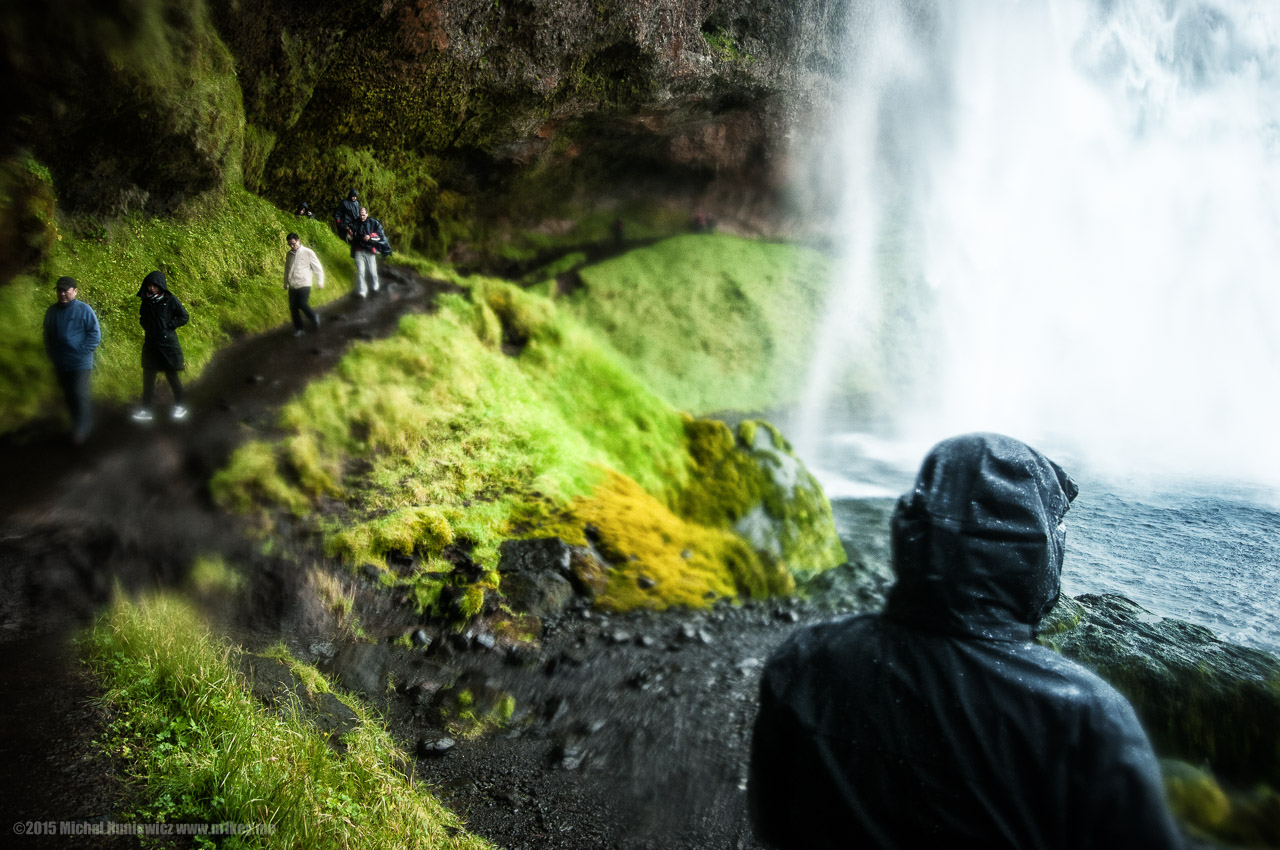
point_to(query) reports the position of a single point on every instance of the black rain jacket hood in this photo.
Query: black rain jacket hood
(978, 541)
(156, 277)
(940, 722)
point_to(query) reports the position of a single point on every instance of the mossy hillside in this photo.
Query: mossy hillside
(203, 750)
(135, 107)
(436, 438)
(499, 416)
(711, 322)
(226, 265)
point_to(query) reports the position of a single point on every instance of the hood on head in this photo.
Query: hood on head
(978, 541)
(156, 277)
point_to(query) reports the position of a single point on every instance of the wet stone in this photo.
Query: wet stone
(435, 747)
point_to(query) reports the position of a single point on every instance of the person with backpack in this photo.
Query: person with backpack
(161, 314)
(367, 241)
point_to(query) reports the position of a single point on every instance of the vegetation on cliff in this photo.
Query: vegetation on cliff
(710, 322)
(206, 751)
(503, 416)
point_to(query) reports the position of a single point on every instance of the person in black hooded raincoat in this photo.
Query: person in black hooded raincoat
(161, 314)
(939, 722)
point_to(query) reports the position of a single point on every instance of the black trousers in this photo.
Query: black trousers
(299, 303)
(75, 389)
(149, 384)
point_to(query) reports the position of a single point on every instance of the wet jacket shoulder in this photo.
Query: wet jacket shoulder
(71, 334)
(939, 722)
(870, 734)
(160, 319)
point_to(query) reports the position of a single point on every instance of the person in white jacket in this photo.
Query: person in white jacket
(300, 266)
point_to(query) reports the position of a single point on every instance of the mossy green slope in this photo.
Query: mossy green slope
(203, 750)
(503, 416)
(225, 264)
(710, 322)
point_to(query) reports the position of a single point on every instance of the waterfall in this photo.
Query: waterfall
(1084, 196)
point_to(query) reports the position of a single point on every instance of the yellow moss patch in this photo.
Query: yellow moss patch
(403, 531)
(659, 560)
(1194, 796)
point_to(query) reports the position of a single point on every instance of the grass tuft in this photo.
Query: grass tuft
(206, 751)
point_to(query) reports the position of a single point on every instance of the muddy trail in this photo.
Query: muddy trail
(629, 731)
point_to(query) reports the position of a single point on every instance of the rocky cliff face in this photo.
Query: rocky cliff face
(459, 121)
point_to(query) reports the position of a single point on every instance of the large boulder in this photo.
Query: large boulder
(1201, 699)
(750, 481)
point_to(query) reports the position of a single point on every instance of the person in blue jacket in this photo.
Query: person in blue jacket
(940, 722)
(160, 314)
(71, 335)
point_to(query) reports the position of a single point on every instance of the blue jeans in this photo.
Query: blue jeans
(75, 389)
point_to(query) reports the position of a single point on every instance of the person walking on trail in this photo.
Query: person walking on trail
(346, 216)
(367, 242)
(300, 265)
(71, 335)
(161, 314)
(940, 722)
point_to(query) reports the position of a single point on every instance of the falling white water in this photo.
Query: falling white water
(881, 57)
(1095, 222)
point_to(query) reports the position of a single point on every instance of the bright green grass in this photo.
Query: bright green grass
(205, 751)
(456, 439)
(711, 322)
(226, 267)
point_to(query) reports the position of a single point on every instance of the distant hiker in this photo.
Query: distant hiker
(619, 232)
(940, 722)
(300, 264)
(161, 314)
(347, 216)
(367, 241)
(71, 335)
(304, 211)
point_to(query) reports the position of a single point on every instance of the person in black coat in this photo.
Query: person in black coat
(346, 216)
(940, 722)
(161, 314)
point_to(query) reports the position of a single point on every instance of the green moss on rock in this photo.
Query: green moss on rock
(1200, 699)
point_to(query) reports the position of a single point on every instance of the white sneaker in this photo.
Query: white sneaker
(142, 415)
(178, 413)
